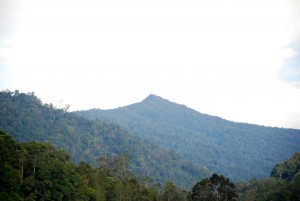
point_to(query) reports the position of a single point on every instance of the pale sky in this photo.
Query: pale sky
(237, 59)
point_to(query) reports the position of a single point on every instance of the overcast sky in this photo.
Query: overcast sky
(237, 59)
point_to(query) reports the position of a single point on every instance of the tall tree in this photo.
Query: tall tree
(216, 188)
(115, 166)
(203, 190)
(171, 193)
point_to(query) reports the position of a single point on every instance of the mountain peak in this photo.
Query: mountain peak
(152, 97)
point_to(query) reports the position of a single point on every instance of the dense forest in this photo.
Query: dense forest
(282, 185)
(26, 119)
(239, 151)
(52, 154)
(38, 171)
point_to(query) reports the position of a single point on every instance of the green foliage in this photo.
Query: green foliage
(172, 193)
(237, 150)
(33, 171)
(10, 178)
(216, 188)
(27, 119)
(203, 190)
(287, 170)
(38, 171)
(46, 173)
(284, 184)
(115, 166)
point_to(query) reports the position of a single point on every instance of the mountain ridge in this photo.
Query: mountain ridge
(152, 98)
(227, 147)
(157, 98)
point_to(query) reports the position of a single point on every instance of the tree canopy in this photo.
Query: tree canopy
(215, 188)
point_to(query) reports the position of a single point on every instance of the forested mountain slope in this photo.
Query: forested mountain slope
(239, 151)
(283, 183)
(25, 118)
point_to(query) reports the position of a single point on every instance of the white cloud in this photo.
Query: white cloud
(295, 84)
(8, 11)
(218, 57)
(294, 19)
(3, 54)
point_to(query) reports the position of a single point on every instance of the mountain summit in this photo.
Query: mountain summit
(153, 97)
(238, 150)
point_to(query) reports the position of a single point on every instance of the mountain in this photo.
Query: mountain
(26, 118)
(240, 151)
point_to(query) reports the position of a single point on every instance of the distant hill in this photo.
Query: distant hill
(238, 150)
(25, 118)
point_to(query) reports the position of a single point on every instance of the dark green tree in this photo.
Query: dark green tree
(171, 193)
(10, 172)
(216, 188)
(223, 187)
(203, 190)
(288, 169)
(283, 184)
(35, 171)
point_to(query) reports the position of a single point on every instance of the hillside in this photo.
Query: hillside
(283, 183)
(239, 151)
(26, 119)
(289, 169)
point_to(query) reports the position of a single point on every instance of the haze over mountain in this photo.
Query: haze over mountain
(240, 151)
